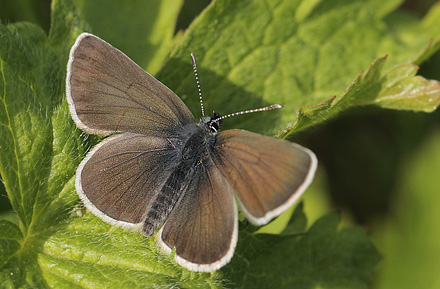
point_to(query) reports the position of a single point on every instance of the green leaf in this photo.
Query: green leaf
(301, 54)
(30, 76)
(94, 253)
(9, 240)
(40, 145)
(402, 90)
(324, 257)
(297, 223)
(398, 89)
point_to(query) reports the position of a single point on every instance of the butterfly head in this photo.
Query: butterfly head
(212, 123)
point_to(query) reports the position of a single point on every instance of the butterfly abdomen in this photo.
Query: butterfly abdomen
(193, 154)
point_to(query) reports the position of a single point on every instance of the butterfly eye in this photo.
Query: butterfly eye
(214, 123)
(214, 126)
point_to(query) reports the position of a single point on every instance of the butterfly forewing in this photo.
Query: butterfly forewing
(107, 92)
(121, 175)
(268, 175)
(203, 225)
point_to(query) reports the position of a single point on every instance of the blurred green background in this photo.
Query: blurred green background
(386, 163)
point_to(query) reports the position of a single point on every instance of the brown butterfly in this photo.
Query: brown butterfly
(161, 170)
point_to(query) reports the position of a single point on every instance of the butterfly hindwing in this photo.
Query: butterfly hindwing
(122, 174)
(203, 225)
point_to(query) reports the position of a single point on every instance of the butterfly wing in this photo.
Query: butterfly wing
(268, 175)
(107, 92)
(121, 174)
(203, 225)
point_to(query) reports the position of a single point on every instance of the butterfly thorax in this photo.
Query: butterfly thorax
(194, 155)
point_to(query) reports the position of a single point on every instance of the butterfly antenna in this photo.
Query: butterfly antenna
(270, 107)
(198, 83)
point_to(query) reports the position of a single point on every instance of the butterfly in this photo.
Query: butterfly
(163, 173)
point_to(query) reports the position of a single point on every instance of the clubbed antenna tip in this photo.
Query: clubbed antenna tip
(198, 83)
(270, 107)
